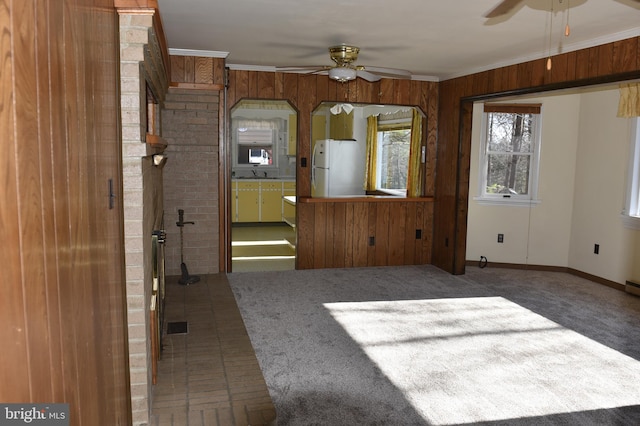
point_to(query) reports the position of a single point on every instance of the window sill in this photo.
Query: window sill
(631, 222)
(513, 202)
(395, 192)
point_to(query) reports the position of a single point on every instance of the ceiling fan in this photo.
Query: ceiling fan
(344, 69)
(506, 6)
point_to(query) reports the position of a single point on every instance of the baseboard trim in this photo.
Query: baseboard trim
(547, 268)
(632, 287)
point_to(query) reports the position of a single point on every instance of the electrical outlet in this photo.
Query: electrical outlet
(501, 238)
(596, 249)
(372, 241)
(418, 234)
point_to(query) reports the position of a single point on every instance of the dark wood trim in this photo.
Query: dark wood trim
(513, 108)
(224, 188)
(596, 279)
(547, 268)
(594, 81)
(523, 266)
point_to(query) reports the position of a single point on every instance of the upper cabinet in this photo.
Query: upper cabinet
(341, 125)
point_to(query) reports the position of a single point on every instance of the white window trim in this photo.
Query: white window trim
(513, 202)
(530, 200)
(631, 212)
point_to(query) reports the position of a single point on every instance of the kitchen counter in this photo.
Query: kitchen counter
(291, 200)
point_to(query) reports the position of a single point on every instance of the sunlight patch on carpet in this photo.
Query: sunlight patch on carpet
(486, 359)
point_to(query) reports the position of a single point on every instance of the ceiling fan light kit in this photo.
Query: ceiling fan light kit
(342, 74)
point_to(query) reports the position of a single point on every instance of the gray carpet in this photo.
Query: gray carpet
(417, 346)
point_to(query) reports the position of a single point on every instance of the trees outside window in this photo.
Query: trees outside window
(509, 157)
(393, 166)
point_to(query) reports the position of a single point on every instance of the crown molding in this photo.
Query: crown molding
(203, 53)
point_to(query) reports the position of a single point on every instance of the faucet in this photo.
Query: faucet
(265, 174)
(254, 172)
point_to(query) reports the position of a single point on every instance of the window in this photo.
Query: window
(394, 143)
(632, 207)
(509, 156)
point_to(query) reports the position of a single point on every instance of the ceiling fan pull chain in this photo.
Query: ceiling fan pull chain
(567, 29)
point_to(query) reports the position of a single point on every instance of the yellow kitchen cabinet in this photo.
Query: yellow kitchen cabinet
(248, 197)
(341, 126)
(271, 201)
(293, 134)
(234, 201)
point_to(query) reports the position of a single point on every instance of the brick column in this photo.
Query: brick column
(140, 70)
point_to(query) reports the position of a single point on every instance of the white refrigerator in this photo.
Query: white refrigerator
(337, 168)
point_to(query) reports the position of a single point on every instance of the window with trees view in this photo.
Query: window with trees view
(394, 142)
(509, 157)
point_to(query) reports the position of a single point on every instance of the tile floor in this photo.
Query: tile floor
(209, 376)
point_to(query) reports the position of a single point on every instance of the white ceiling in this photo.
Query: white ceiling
(434, 39)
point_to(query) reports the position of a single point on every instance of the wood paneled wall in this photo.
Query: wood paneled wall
(197, 70)
(321, 227)
(317, 232)
(610, 62)
(339, 234)
(62, 309)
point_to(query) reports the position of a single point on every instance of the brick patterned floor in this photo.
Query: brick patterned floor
(209, 376)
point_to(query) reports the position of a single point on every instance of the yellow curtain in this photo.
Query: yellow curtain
(629, 105)
(372, 148)
(414, 178)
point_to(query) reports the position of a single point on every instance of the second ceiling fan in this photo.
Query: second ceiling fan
(345, 70)
(506, 6)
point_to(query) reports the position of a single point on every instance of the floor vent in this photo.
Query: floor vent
(178, 327)
(633, 288)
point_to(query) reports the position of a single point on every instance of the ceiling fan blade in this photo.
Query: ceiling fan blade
(503, 8)
(366, 75)
(388, 72)
(302, 68)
